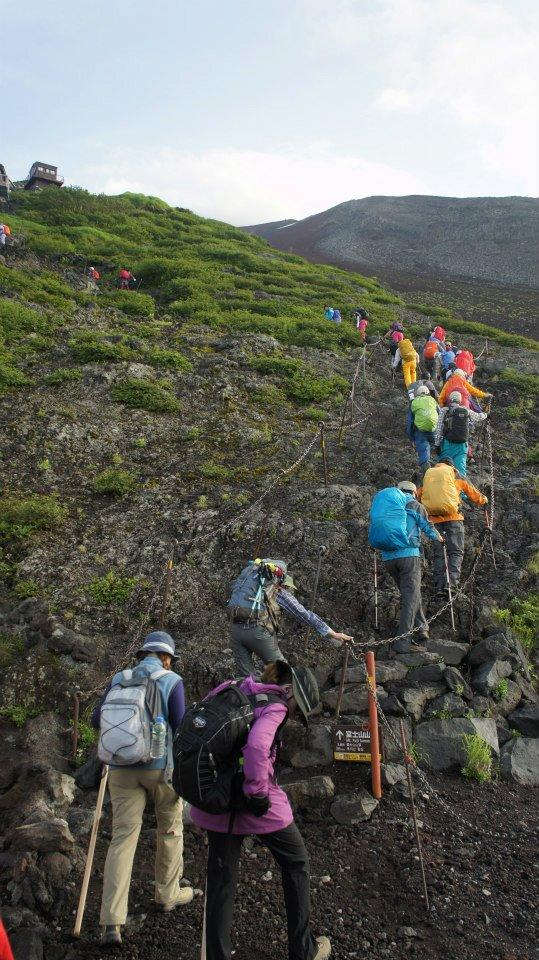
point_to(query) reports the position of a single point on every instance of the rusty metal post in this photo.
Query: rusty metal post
(376, 773)
(75, 730)
(375, 591)
(408, 760)
(324, 454)
(343, 680)
(166, 595)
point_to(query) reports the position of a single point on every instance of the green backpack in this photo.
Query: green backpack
(425, 413)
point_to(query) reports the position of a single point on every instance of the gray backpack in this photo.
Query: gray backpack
(127, 713)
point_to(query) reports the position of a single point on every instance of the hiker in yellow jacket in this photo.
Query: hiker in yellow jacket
(459, 381)
(410, 359)
(440, 495)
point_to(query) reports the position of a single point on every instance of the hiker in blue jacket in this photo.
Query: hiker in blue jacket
(404, 565)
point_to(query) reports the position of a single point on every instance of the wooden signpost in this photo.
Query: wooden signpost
(360, 743)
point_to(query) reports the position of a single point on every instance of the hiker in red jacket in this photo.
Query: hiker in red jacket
(6, 952)
(127, 280)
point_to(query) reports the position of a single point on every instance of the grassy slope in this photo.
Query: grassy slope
(86, 426)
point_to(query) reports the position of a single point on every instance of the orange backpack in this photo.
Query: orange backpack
(431, 349)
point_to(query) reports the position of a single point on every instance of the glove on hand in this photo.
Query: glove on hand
(257, 805)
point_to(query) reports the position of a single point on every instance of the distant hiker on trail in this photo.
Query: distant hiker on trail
(395, 327)
(263, 809)
(421, 422)
(447, 358)
(328, 313)
(5, 232)
(126, 280)
(440, 495)
(396, 521)
(414, 387)
(337, 316)
(457, 381)
(452, 433)
(432, 358)
(438, 335)
(93, 277)
(410, 359)
(361, 325)
(396, 338)
(464, 360)
(259, 597)
(138, 748)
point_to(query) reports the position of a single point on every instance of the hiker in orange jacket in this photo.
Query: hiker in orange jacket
(459, 381)
(440, 495)
(127, 280)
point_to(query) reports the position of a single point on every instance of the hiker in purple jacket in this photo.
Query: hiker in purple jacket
(268, 815)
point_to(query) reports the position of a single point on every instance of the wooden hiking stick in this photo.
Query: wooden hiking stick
(408, 760)
(91, 851)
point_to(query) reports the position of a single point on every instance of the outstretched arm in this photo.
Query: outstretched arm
(295, 609)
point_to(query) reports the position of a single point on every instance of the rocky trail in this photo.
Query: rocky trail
(204, 487)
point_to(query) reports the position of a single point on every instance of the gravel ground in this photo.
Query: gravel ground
(366, 887)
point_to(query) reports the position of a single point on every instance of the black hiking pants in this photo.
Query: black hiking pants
(406, 572)
(288, 849)
(248, 639)
(453, 533)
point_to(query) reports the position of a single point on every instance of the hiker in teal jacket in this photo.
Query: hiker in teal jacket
(404, 566)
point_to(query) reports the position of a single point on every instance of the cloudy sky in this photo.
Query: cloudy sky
(255, 110)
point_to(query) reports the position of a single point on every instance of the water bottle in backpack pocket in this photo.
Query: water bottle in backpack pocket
(127, 719)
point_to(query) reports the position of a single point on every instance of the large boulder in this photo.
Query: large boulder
(354, 700)
(526, 720)
(428, 673)
(304, 793)
(519, 760)
(353, 808)
(489, 674)
(440, 743)
(450, 651)
(510, 699)
(386, 672)
(46, 836)
(318, 750)
(415, 698)
(392, 741)
(450, 705)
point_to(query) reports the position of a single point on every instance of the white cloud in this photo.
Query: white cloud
(243, 186)
(471, 63)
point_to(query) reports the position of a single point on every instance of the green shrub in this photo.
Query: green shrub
(169, 358)
(111, 590)
(19, 714)
(532, 456)
(526, 383)
(130, 302)
(22, 518)
(215, 471)
(304, 388)
(90, 347)
(26, 588)
(63, 375)
(286, 366)
(523, 619)
(501, 689)
(152, 395)
(114, 481)
(478, 758)
(313, 413)
(11, 647)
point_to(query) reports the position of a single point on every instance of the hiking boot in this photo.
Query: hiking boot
(111, 936)
(184, 896)
(324, 948)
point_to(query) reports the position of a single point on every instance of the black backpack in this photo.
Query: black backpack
(457, 425)
(207, 749)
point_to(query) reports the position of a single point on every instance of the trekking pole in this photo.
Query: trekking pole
(343, 680)
(91, 851)
(375, 592)
(166, 594)
(449, 588)
(203, 944)
(324, 454)
(491, 542)
(75, 731)
(408, 760)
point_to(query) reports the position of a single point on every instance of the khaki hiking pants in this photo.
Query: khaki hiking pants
(129, 791)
